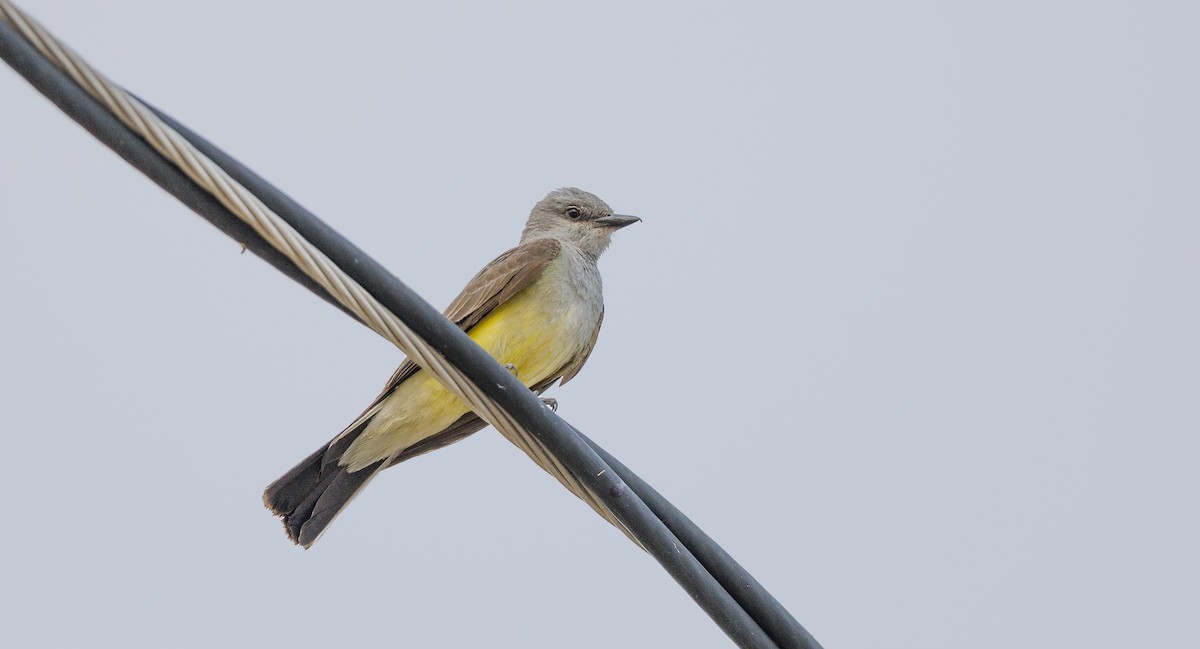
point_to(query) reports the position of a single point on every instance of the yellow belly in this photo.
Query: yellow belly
(522, 332)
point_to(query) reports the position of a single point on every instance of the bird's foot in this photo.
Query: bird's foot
(551, 403)
(512, 369)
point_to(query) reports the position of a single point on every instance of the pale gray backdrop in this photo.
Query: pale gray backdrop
(910, 326)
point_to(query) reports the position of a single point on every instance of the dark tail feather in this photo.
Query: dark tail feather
(309, 496)
(334, 493)
(284, 495)
(312, 494)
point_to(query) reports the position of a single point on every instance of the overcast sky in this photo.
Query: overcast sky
(911, 326)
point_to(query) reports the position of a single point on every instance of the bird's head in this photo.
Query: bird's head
(575, 216)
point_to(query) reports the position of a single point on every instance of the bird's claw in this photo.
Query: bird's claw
(551, 403)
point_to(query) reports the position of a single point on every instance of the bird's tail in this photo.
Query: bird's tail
(316, 490)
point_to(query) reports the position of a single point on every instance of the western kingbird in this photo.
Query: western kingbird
(536, 308)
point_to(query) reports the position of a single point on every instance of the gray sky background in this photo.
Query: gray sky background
(957, 246)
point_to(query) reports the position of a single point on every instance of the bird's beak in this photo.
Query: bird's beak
(617, 221)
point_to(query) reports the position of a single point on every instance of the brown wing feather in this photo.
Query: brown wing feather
(501, 279)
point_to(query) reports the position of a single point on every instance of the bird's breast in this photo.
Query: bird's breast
(542, 328)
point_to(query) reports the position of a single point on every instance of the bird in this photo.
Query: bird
(537, 309)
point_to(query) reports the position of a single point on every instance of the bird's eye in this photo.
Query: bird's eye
(573, 212)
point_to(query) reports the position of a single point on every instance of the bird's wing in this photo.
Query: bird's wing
(496, 284)
(499, 281)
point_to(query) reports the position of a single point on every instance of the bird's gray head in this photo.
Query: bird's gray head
(575, 216)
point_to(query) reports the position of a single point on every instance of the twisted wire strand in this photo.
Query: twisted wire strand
(311, 261)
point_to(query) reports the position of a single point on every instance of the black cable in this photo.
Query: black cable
(738, 620)
(762, 606)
